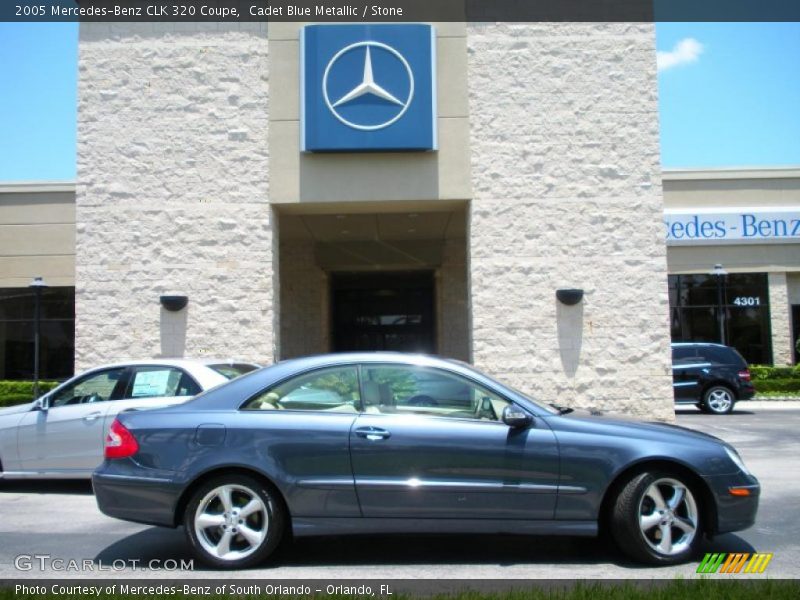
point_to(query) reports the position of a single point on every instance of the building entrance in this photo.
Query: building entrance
(383, 311)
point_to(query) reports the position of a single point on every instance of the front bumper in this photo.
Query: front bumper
(149, 500)
(734, 513)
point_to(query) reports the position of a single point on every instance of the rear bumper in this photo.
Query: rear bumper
(746, 391)
(734, 513)
(148, 500)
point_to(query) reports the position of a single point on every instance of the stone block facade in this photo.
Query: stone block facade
(173, 192)
(567, 193)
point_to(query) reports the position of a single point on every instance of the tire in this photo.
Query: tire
(718, 400)
(650, 507)
(215, 521)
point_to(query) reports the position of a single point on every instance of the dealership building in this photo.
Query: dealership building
(409, 187)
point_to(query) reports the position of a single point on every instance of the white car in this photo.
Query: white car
(61, 434)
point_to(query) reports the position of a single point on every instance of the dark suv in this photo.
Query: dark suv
(711, 376)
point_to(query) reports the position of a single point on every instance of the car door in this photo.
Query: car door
(687, 369)
(152, 386)
(67, 436)
(419, 453)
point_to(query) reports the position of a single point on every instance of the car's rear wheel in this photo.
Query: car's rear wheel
(234, 521)
(656, 519)
(718, 400)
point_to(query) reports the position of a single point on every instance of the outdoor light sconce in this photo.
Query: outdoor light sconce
(174, 303)
(570, 297)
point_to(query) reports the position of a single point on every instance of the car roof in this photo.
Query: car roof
(320, 360)
(175, 362)
(683, 344)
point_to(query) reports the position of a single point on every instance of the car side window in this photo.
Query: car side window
(161, 382)
(328, 390)
(424, 391)
(684, 355)
(97, 387)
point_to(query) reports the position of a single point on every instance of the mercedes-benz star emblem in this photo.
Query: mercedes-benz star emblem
(367, 87)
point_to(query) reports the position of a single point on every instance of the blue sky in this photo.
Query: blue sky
(729, 96)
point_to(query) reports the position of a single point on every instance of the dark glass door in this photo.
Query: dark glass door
(383, 311)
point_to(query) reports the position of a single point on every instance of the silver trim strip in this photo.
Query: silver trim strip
(133, 478)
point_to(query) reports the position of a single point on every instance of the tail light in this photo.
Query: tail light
(120, 442)
(744, 375)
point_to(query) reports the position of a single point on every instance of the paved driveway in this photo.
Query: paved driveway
(61, 520)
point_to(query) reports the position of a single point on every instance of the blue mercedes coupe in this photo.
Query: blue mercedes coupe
(393, 443)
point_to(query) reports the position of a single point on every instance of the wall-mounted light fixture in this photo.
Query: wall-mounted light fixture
(569, 296)
(174, 303)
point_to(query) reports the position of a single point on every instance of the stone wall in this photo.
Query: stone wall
(780, 319)
(173, 192)
(304, 318)
(567, 193)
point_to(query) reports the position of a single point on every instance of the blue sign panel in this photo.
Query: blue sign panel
(368, 88)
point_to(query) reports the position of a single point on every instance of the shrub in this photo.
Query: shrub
(20, 392)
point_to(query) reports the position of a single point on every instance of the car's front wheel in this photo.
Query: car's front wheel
(718, 400)
(656, 519)
(234, 521)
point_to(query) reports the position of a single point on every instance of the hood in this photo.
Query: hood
(634, 426)
(13, 410)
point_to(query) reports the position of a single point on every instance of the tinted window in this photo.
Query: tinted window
(418, 390)
(232, 371)
(57, 333)
(740, 301)
(333, 389)
(720, 356)
(682, 352)
(97, 387)
(158, 382)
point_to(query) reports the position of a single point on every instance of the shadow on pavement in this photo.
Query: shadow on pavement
(81, 487)
(162, 544)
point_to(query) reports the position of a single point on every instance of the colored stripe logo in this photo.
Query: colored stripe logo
(734, 563)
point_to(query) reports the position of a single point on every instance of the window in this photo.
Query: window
(695, 305)
(233, 370)
(419, 390)
(158, 382)
(684, 353)
(333, 390)
(97, 387)
(57, 333)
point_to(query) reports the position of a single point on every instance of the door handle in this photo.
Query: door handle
(372, 433)
(92, 416)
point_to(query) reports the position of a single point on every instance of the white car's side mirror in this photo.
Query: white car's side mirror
(41, 403)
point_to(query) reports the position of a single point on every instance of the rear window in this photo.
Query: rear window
(722, 356)
(232, 371)
(683, 352)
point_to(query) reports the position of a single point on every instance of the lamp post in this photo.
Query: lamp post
(719, 274)
(38, 285)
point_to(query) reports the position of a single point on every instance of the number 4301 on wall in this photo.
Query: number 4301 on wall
(747, 301)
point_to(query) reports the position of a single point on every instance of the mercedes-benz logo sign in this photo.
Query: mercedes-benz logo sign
(369, 88)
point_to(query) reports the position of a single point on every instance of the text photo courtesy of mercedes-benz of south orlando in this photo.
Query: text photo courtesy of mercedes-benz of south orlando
(397, 298)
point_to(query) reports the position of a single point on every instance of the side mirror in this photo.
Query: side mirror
(41, 403)
(516, 417)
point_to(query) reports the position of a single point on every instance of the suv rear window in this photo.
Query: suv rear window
(232, 371)
(683, 352)
(722, 356)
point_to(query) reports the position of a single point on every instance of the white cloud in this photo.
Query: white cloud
(686, 51)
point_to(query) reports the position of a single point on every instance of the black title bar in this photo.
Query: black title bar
(322, 11)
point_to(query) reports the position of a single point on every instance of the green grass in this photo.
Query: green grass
(729, 588)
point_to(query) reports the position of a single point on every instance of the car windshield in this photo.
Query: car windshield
(233, 370)
(552, 408)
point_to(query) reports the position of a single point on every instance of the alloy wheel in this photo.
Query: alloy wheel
(231, 522)
(719, 400)
(668, 517)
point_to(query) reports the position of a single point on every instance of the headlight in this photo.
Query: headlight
(737, 460)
